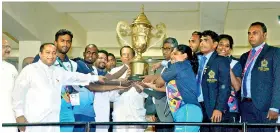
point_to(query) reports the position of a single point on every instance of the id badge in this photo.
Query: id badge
(75, 99)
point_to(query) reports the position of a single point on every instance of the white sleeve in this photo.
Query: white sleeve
(114, 95)
(75, 78)
(22, 84)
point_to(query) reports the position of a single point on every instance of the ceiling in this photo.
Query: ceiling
(104, 16)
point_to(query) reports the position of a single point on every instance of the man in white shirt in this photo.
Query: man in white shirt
(8, 76)
(129, 106)
(37, 92)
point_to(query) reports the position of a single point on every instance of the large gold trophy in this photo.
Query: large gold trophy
(141, 32)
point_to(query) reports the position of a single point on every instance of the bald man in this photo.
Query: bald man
(26, 61)
(8, 76)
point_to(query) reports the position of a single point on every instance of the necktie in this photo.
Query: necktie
(247, 72)
(200, 72)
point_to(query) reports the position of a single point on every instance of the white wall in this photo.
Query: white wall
(44, 21)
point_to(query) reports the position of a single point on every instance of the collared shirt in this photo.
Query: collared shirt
(248, 83)
(130, 105)
(37, 91)
(8, 76)
(248, 79)
(200, 97)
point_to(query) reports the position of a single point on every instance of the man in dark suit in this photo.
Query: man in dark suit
(260, 83)
(213, 79)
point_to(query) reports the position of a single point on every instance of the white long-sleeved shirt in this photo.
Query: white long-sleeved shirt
(8, 76)
(37, 91)
(130, 105)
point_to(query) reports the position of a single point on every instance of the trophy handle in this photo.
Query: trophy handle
(123, 29)
(161, 34)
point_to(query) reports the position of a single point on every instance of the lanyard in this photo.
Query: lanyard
(250, 61)
(62, 65)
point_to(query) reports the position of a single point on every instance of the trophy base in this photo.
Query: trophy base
(138, 68)
(136, 77)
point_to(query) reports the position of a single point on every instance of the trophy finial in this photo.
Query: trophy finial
(142, 18)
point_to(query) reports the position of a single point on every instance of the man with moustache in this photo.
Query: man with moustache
(111, 62)
(260, 89)
(63, 42)
(194, 41)
(37, 92)
(129, 106)
(8, 77)
(86, 111)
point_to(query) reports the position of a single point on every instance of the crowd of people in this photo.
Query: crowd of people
(198, 82)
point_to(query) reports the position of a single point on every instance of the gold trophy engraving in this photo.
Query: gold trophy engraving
(141, 31)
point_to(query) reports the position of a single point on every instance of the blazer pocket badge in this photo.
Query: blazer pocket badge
(263, 66)
(211, 75)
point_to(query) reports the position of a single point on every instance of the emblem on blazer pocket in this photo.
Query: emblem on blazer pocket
(263, 66)
(211, 75)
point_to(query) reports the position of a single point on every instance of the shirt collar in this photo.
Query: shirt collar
(259, 47)
(44, 65)
(209, 55)
(66, 59)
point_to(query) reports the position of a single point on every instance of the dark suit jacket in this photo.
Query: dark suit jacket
(265, 84)
(216, 89)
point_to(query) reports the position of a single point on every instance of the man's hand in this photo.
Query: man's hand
(272, 115)
(159, 82)
(125, 83)
(156, 66)
(216, 116)
(151, 85)
(101, 79)
(150, 78)
(21, 119)
(142, 84)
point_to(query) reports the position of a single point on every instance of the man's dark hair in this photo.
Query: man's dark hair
(93, 45)
(43, 46)
(228, 37)
(197, 33)
(214, 36)
(104, 52)
(62, 32)
(264, 29)
(172, 41)
(110, 54)
(133, 52)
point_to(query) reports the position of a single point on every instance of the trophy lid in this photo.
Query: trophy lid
(142, 18)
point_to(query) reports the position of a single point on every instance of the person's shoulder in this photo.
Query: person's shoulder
(222, 58)
(30, 67)
(73, 62)
(10, 66)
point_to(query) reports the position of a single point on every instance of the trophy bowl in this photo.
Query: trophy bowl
(141, 32)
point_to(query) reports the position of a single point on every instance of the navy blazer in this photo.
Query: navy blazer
(265, 78)
(216, 85)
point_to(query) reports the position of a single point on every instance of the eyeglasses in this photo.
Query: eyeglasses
(166, 49)
(6, 46)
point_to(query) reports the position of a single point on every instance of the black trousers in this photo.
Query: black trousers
(250, 114)
(206, 119)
